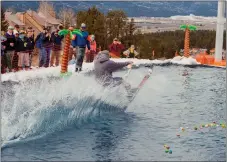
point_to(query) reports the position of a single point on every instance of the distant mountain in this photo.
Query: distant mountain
(133, 9)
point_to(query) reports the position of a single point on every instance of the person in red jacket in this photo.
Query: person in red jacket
(90, 54)
(116, 48)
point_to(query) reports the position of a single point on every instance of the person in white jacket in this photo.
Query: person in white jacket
(131, 52)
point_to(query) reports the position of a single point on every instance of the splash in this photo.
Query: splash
(37, 107)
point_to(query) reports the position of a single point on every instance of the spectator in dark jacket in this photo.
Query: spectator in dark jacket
(56, 48)
(46, 48)
(3, 58)
(15, 57)
(10, 47)
(30, 36)
(22, 48)
(38, 44)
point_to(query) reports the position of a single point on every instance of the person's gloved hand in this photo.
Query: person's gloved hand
(130, 64)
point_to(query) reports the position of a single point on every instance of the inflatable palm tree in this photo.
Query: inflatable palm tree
(187, 29)
(68, 34)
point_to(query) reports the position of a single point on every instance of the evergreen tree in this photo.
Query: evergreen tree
(129, 32)
(4, 23)
(116, 24)
(80, 18)
(95, 22)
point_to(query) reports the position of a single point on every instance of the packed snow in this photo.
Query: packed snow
(87, 67)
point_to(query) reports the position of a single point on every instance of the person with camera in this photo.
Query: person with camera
(56, 48)
(46, 44)
(116, 48)
(30, 36)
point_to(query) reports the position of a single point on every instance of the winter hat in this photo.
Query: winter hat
(105, 52)
(10, 28)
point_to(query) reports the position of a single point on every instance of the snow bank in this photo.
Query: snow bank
(194, 18)
(184, 61)
(55, 71)
(190, 17)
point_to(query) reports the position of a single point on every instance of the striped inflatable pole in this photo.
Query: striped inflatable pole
(64, 62)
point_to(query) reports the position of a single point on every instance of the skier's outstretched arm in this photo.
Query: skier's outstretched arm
(114, 66)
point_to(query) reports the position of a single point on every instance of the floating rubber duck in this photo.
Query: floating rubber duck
(182, 128)
(167, 149)
(166, 146)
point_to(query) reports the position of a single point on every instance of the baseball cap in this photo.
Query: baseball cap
(83, 25)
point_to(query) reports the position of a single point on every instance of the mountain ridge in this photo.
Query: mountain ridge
(132, 9)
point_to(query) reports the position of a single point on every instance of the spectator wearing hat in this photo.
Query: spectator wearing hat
(81, 41)
(22, 46)
(116, 48)
(10, 47)
(56, 48)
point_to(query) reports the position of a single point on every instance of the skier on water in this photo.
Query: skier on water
(104, 67)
